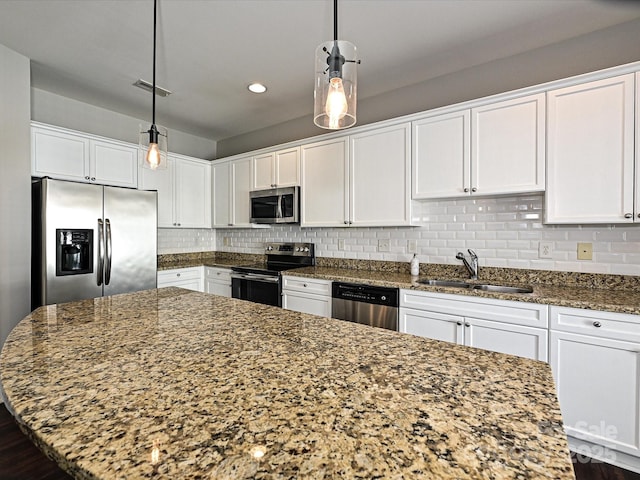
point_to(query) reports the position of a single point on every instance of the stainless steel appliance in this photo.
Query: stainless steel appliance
(275, 205)
(370, 305)
(91, 240)
(262, 283)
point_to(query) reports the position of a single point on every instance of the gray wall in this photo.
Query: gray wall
(15, 190)
(65, 112)
(598, 50)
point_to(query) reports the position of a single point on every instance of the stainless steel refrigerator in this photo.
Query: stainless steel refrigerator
(91, 240)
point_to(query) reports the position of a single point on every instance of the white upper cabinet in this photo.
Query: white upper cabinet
(221, 180)
(193, 193)
(324, 191)
(493, 149)
(590, 163)
(276, 169)
(508, 146)
(360, 180)
(162, 181)
(68, 155)
(231, 186)
(184, 192)
(380, 176)
(442, 155)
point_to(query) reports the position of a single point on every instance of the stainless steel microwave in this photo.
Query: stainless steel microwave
(275, 205)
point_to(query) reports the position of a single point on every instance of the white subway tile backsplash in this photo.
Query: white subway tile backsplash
(504, 231)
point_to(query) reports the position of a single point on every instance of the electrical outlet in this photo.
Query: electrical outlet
(585, 251)
(545, 250)
(226, 241)
(412, 246)
(383, 245)
(341, 244)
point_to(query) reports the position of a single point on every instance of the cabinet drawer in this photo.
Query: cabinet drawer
(169, 277)
(310, 285)
(518, 313)
(617, 326)
(215, 274)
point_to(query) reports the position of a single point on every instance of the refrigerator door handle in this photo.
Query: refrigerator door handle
(100, 252)
(107, 268)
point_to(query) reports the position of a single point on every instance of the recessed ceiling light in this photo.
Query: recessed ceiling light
(257, 88)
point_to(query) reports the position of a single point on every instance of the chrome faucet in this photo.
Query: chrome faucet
(472, 264)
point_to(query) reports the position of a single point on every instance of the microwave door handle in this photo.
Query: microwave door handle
(100, 252)
(280, 202)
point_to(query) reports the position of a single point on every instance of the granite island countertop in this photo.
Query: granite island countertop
(171, 383)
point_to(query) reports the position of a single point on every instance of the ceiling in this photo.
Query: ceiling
(210, 50)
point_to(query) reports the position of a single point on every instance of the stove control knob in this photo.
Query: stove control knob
(298, 249)
(269, 248)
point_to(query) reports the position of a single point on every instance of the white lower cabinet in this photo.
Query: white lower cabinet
(516, 328)
(217, 281)
(595, 357)
(307, 295)
(189, 278)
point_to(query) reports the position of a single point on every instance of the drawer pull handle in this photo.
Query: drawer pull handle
(177, 274)
(597, 324)
(628, 215)
(304, 285)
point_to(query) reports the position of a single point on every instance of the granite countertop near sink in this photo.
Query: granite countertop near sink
(610, 294)
(176, 384)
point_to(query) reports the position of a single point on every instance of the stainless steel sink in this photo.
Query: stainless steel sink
(502, 288)
(445, 283)
(483, 286)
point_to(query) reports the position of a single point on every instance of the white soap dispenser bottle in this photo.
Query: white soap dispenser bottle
(415, 266)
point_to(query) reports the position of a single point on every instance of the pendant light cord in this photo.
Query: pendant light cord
(335, 20)
(153, 93)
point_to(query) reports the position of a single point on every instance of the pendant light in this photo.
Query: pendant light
(153, 142)
(335, 86)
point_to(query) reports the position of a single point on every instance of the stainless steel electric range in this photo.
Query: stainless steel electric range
(262, 283)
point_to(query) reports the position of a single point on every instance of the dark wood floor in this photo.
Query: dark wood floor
(21, 460)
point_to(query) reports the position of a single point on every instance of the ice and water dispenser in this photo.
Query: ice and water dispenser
(74, 252)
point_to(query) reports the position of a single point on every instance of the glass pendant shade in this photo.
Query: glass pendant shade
(335, 85)
(153, 155)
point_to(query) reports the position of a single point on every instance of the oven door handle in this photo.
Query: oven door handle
(254, 277)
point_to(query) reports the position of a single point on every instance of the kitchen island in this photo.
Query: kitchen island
(171, 383)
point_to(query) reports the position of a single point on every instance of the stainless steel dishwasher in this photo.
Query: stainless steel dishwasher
(370, 305)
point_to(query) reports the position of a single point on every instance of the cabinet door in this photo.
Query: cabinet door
(240, 179)
(162, 181)
(114, 164)
(501, 337)
(59, 155)
(599, 389)
(193, 194)
(441, 156)
(508, 146)
(221, 194)
(324, 188)
(263, 176)
(380, 175)
(287, 167)
(438, 326)
(590, 152)
(306, 303)
(218, 288)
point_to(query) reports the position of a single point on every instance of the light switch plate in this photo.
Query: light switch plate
(226, 241)
(383, 245)
(341, 244)
(412, 246)
(585, 251)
